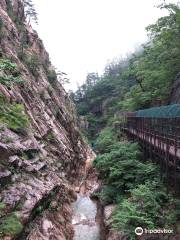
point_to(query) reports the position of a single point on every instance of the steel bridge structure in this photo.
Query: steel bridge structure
(158, 132)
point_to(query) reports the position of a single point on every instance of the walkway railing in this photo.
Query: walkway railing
(160, 141)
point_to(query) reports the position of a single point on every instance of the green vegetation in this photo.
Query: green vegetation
(14, 17)
(24, 39)
(122, 169)
(32, 63)
(52, 76)
(13, 115)
(10, 74)
(155, 68)
(39, 210)
(30, 12)
(147, 206)
(133, 185)
(105, 140)
(30, 60)
(10, 225)
(141, 80)
(10, 9)
(2, 206)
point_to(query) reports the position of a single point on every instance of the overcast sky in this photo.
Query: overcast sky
(81, 36)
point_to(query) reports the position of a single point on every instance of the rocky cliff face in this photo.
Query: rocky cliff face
(175, 95)
(39, 163)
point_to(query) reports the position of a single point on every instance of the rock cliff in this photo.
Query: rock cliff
(40, 161)
(175, 95)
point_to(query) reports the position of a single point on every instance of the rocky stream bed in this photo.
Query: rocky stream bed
(89, 218)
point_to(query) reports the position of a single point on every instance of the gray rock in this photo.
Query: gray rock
(49, 156)
(175, 95)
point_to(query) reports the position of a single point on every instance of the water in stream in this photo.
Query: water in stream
(84, 220)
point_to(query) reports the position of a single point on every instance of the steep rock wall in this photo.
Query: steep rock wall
(175, 95)
(39, 165)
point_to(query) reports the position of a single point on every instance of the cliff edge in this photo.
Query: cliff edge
(42, 153)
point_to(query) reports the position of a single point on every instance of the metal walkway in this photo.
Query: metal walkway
(159, 139)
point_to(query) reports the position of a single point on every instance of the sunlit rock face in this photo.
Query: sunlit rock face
(111, 233)
(39, 165)
(175, 96)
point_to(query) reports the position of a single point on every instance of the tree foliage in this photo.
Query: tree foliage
(30, 12)
(141, 80)
(157, 66)
(121, 167)
(105, 140)
(148, 206)
(133, 185)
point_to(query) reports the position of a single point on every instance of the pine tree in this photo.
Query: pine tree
(30, 12)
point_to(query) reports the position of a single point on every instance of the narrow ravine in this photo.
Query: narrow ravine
(87, 219)
(84, 220)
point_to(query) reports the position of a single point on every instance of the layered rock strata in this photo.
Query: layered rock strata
(40, 164)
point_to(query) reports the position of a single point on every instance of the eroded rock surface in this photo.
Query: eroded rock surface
(40, 165)
(86, 213)
(175, 95)
(111, 233)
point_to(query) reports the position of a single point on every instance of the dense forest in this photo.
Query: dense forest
(141, 80)
(58, 171)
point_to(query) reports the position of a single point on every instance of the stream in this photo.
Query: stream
(84, 220)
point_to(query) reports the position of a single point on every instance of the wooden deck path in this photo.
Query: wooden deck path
(157, 141)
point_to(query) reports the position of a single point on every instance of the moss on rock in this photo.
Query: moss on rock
(10, 225)
(13, 115)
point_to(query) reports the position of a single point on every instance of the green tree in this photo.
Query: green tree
(30, 12)
(156, 67)
(148, 206)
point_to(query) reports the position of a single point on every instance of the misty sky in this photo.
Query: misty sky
(81, 36)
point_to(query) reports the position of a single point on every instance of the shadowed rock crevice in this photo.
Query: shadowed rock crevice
(175, 94)
(42, 161)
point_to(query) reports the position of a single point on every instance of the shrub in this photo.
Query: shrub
(108, 194)
(121, 170)
(13, 115)
(10, 73)
(105, 140)
(52, 76)
(10, 225)
(95, 124)
(82, 109)
(113, 166)
(147, 207)
(32, 63)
